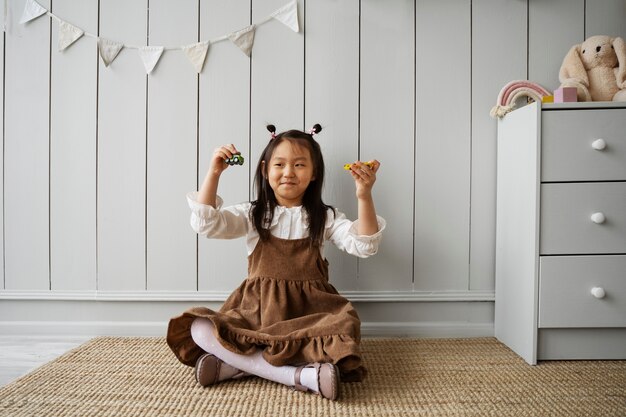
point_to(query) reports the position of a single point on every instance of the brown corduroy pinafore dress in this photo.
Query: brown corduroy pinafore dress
(287, 308)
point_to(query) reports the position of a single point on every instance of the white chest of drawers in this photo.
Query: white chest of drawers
(561, 231)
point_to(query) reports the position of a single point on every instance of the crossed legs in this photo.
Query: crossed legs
(203, 333)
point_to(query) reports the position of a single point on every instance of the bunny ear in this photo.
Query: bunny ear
(620, 51)
(572, 67)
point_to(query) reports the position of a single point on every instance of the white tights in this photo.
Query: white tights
(203, 333)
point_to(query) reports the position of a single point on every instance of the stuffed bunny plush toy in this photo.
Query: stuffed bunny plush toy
(597, 68)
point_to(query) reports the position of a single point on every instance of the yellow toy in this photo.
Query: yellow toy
(370, 164)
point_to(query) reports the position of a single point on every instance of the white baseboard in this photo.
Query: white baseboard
(146, 329)
(427, 330)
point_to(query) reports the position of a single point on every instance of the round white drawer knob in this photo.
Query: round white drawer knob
(598, 292)
(598, 218)
(599, 144)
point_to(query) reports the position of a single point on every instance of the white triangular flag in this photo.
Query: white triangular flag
(32, 10)
(197, 54)
(288, 15)
(150, 55)
(68, 34)
(108, 50)
(244, 39)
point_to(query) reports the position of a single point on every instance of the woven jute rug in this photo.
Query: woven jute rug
(407, 377)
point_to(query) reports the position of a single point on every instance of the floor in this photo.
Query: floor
(21, 354)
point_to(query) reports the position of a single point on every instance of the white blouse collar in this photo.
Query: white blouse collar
(281, 211)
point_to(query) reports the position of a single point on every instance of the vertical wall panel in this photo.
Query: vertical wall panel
(553, 28)
(387, 133)
(487, 80)
(171, 157)
(277, 76)
(224, 108)
(332, 99)
(442, 175)
(607, 17)
(2, 155)
(122, 151)
(26, 152)
(73, 151)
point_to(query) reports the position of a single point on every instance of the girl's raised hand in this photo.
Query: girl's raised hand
(364, 177)
(219, 155)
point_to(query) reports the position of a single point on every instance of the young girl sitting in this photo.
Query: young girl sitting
(285, 322)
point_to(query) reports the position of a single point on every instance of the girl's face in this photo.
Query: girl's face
(289, 172)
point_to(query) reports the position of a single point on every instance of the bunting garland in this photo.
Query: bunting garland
(68, 34)
(32, 10)
(196, 53)
(288, 15)
(244, 39)
(108, 50)
(150, 55)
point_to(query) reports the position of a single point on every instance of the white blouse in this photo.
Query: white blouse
(288, 223)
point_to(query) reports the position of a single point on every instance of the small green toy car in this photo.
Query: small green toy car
(237, 159)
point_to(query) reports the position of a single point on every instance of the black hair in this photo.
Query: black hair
(262, 211)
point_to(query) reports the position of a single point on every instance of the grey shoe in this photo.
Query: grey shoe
(209, 370)
(327, 380)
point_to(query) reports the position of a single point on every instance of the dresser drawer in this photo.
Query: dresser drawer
(567, 144)
(565, 291)
(567, 226)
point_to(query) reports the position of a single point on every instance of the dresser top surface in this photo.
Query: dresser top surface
(584, 105)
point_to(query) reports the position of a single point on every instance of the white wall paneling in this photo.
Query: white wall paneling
(487, 80)
(442, 171)
(387, 111)
(26, 152)
(96, 161)
(2, 157)
(171, 148)
(332, 99)
(224, 111)
(73, 103)
(553, 28)
(122, 104)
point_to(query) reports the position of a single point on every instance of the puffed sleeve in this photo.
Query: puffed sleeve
(343, 232)
(218, 223)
